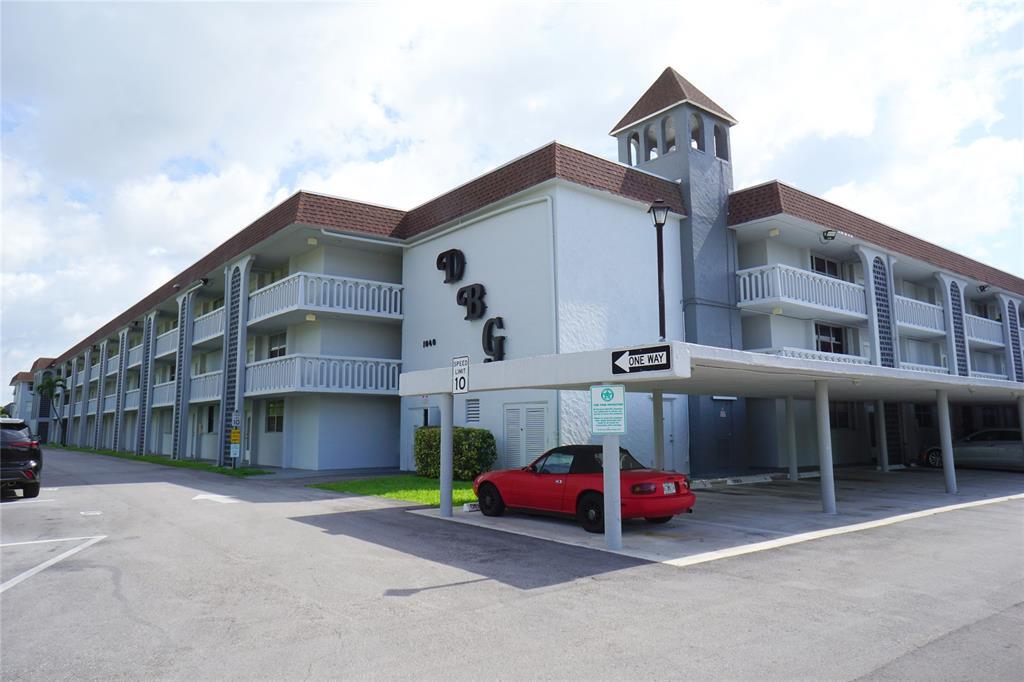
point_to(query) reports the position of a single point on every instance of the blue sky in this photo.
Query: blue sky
(145, 134)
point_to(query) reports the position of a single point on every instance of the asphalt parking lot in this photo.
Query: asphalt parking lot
(158, 573)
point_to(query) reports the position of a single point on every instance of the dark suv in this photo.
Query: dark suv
(21, 460)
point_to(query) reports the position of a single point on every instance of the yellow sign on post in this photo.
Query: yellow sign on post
(236, 436)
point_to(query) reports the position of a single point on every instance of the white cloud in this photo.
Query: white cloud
(108, 107)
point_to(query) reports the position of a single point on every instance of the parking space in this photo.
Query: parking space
(742, 519)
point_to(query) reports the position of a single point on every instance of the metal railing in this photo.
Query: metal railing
(784, 282)
(94, 372)
(208, 326)
(112, 364)
(163, 394)
(205, 387)
(131, 399)
(318, 373)
(166, 343)
(810, 354)
(109, 403)
(917, 367)
(135, 356)
(91, 408)
(989, 375)
(920, 314)
(327, 293)
(981, 329)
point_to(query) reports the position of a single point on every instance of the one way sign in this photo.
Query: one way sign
(651, 359)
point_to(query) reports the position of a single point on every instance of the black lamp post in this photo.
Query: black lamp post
(659, 213)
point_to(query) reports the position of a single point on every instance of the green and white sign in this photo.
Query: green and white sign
(608, 410)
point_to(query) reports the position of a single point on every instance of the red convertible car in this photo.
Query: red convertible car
(569, 480)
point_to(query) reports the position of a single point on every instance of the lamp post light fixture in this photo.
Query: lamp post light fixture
(659, 214)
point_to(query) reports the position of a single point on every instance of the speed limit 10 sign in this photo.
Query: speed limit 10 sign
(460, 374)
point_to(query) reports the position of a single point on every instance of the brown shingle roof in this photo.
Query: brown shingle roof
(670, 89)
(775, 198)
(42, 363)
(342, 215)
(21, 376)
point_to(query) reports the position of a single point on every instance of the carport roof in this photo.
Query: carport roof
(706, 370)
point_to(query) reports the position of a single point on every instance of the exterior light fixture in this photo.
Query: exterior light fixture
(829, 235)
(774, 232)
(310, 317)
(311, 241)
(659, 214)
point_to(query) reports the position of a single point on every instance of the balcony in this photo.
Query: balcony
(809, 354)
(131, 399)
(166, 343)
(163, 394)
(304, 292)
(322, 374)
(73, 410)
(109, 403)
(918, 319)
(91, 409)
(135, 356)
(80, 378)
(205, 387)
(800, 293)
(94, 372)
(983, 333)
(916, 367)
(208, 327)
(112, 364)
(989, 375)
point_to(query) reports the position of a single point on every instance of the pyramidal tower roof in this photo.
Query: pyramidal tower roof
(669, 90)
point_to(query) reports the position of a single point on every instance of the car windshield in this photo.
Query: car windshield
(15, 432)
(626, 461)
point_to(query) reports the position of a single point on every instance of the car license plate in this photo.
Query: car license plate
(669, 488)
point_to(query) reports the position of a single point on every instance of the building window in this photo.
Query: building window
(668, 134)
(275, 416)
(696, 132)
(250, 350)
(472, 410)
(721, 143)
(841, 415)
(829, 339)
(923, 416)
(825, 266)
(276, 346)
(209, 418)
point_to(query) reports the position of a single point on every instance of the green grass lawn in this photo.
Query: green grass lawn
(409, 488)
(240, 472)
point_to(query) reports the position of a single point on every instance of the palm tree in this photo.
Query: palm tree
(52, 388)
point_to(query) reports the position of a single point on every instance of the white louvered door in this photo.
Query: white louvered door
(525, 428)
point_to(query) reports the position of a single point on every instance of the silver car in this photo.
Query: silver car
(987, 449)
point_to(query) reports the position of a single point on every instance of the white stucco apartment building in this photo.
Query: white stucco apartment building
(301, 323)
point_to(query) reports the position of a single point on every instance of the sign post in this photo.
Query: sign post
(608, 419)
(460, 374)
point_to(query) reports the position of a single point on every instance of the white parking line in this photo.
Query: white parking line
(50, 562)
(25, 503)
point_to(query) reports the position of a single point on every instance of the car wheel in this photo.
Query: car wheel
(490, 500)
(30, 490)
(934, 459)
(657, 519)
(590, 512)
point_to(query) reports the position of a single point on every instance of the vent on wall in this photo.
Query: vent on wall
(472, 410)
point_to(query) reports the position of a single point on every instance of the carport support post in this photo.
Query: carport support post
(946, 440)
(794, 468)
(1020, 415)
(612, 493)
(883, 442)
(659, 430)
(828, 484)
(447, 408)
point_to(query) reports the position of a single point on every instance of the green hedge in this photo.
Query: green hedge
(474, 452)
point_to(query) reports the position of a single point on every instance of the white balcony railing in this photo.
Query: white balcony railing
(208, 326)
(94, 372)
(980, 329)
(80, 378)
(989, 375)
(109, 403)
(327, 293)
(809, 354)
(917, 367)
(205, 387)
(135, 356)
(73, 410)
(92, 406)
(163, 394)
(785, 283)
(166, 343)
(112, 364)
(318, 373)
(914, 313)
(131, 399)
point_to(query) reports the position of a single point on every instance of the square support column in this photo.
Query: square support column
(794, 465)
(946, 440)
(612, 493)
(658, 412)
(447, 455)
(883, 439)
(828, 484)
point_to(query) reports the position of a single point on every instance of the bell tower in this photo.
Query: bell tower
(676, 131)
